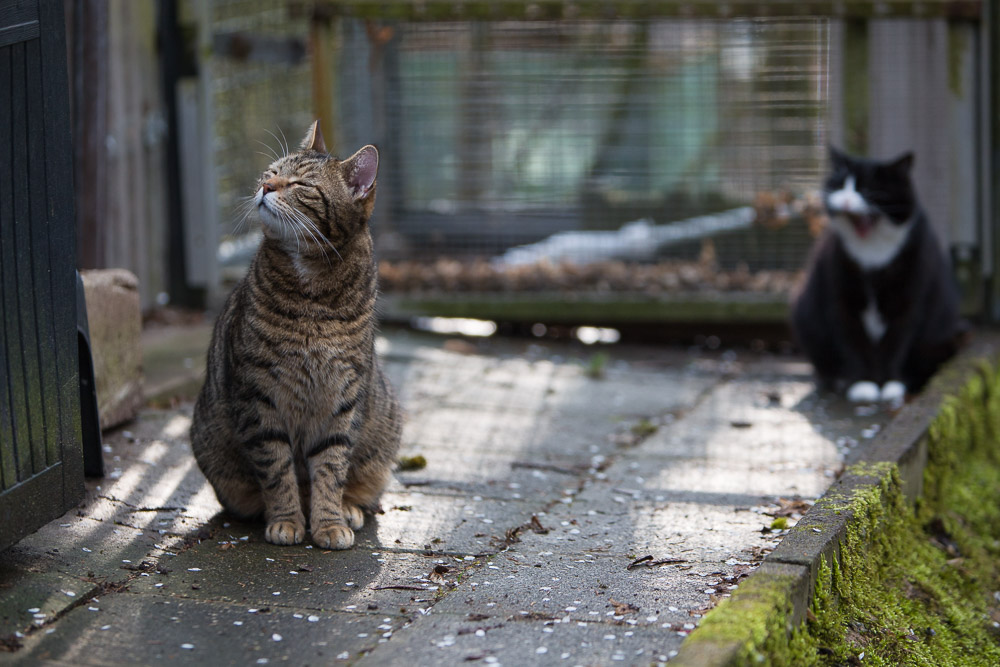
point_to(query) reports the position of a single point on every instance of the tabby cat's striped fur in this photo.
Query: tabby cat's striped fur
(296, 418)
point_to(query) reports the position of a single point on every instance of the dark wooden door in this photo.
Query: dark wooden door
(41, 461)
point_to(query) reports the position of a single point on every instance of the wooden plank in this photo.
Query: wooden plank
(62, 246)
(42, 297)
(854, 87)
(90, 91)
(31, 504)
(18, 21)
(323, 64)
(8, 462)
(200, 240)
(909, 107)
(33, 441)
(134, 157)
(988, 118)
(469, 10)
(15, 256)
(559, 308)
(964, 140)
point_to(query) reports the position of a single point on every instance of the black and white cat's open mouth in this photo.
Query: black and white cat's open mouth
(863, 223)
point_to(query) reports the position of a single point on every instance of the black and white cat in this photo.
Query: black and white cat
(878, 313)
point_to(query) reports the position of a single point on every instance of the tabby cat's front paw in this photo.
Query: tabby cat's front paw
(285, 532)
(335, 536)
(355, 517)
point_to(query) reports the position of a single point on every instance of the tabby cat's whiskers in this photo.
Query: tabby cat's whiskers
(310, 227)
(244, 209)
(283, 146)
(272, 154)
(285, 141)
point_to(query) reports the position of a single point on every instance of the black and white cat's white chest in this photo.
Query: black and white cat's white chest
(869, 238)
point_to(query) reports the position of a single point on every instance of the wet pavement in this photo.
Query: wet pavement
(579, 506)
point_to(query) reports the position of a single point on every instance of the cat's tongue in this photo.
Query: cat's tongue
(863, 223)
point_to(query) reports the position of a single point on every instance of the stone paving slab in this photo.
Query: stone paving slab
(129, 629)
(449, 640)
(692, 531)
(589, 588)
(542, 485)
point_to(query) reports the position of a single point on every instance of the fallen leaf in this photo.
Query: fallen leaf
(437, 574)
(622, 608)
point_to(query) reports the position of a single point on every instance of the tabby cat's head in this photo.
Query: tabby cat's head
(314, 202)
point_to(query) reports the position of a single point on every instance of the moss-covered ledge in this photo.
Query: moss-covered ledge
(897, 563)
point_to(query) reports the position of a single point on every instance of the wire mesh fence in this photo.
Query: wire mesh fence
(507, 133)
(506, 144)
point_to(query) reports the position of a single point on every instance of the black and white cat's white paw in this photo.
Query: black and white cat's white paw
(893, 391)
(868, 392)
(863, 392)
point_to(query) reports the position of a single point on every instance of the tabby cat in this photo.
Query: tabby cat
(296, 418)
(878, 313)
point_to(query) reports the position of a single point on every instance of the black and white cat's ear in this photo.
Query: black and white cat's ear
(904, 163)
(837, 157)
(360, 171)
(313, 140)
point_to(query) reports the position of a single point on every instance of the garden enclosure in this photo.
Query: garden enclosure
(589, 161)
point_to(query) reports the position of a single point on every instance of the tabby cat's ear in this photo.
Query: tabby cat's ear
(313, 140)
(360, 170)
(903, 163)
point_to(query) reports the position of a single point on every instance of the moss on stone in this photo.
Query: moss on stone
(911, 585)
(756, 622)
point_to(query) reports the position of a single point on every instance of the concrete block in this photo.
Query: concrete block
(115, 321)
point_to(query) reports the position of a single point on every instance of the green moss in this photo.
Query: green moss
(780, 523)
(417, 462)
(911, 585)
(597, 366)
(753, 621)
(644, 428)
(895, 596)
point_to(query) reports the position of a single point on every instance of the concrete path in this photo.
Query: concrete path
(561, 518)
